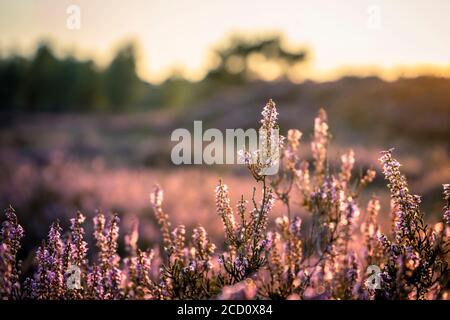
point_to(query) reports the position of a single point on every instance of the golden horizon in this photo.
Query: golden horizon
(387, 39)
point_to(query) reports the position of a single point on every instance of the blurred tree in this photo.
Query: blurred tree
(46, 82)
(121, 80)
(78, 85)
(40, 79)
(12, 79)
(177, 91)
(235, 60)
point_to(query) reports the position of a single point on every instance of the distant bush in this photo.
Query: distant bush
(48, 83)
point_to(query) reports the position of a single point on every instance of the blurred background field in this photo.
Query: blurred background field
(78, 134)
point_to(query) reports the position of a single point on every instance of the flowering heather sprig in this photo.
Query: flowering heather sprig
(114, 282)
(67, 254)
(416, 258)
(42, 283)
(11, 234)
(275, 261)
(349, 216)
(409, 218)
(351, 273)
(131, 239)
(285, 270)
(179, 238)
(224, 210)
(113, 272)
(77, 257)
(101, 239)
(320, 141)
(303, 182)
(446, 195)
(384, 242)
(49, 279)
(348, 160)
(245, 242)
(341, 264)
(293, 139)
(204, 248)
(186, 274)
(371, 231)
(143, 269)
(139, 283)
(270, 146)
(412, 258)
(113, 235)
(156, 200)
(367, 178)
(95, 283)
(242, 209)
(79, 246)
(295, 244)
(105, 278)
(270, 116)
(55, 252)
(327, 204)
(290, 231)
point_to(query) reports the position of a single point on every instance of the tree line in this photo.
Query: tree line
(46, 82)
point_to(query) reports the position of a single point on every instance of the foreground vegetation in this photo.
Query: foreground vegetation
(323, 259)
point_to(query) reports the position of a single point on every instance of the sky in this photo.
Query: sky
(361, 37)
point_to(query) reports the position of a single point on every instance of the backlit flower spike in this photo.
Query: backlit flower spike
(269, 116)
(320, 141)
(224, 209)
(156, 200)
(446, 194)
(10, 236)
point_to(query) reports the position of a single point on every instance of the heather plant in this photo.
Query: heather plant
(11, 234)
(327, 252)
(416, 256)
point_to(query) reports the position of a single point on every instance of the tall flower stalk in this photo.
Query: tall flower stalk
(11, 235)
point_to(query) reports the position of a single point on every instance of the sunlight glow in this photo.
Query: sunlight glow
(411, 36)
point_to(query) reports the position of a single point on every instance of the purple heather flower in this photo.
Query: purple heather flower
(446, 194)
(270, 116)
(79, 246)
(295, 227)
(10, 236)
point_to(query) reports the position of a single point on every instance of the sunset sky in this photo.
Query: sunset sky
(412, 36)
